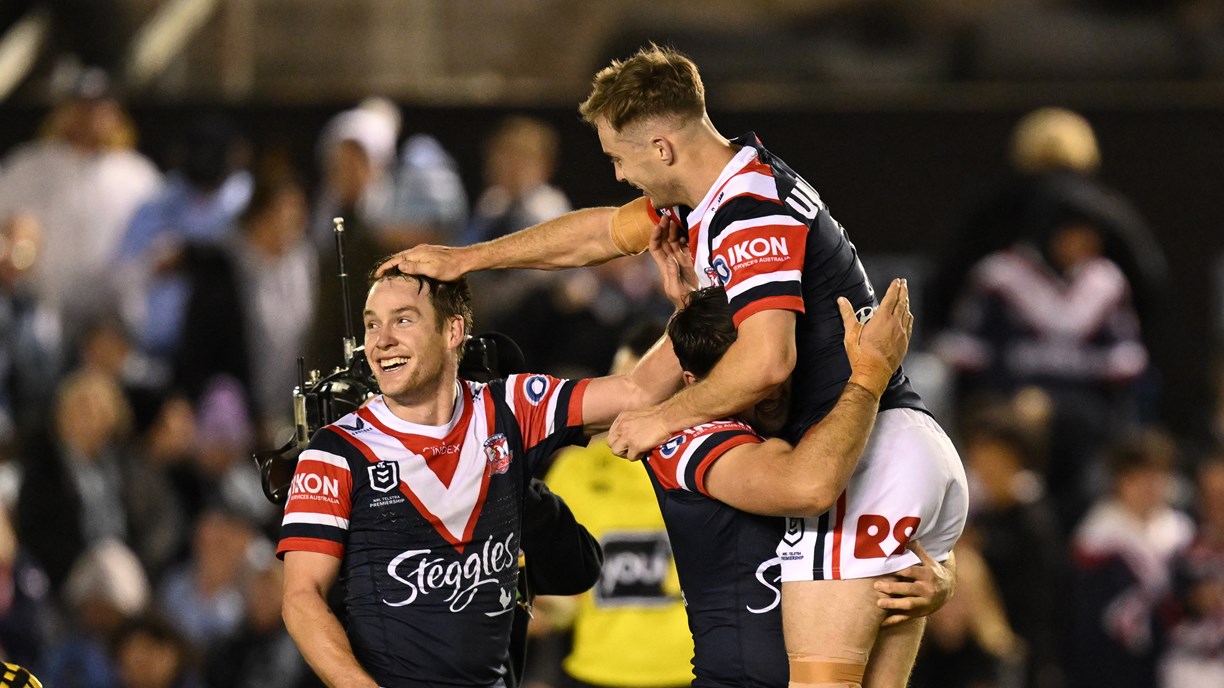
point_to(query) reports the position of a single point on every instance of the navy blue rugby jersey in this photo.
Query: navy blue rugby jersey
(765, 235)
(727, 563)
(426, 521)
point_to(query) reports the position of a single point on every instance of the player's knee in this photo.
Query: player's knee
(842, 668)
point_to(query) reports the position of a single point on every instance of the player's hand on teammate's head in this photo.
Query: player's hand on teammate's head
(673, 260)
(917, 591)
(877, 343)
(439, 262)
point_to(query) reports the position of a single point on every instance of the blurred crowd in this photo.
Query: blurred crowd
(151, 321)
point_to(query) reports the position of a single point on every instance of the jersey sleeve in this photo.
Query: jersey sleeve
(548, 411)
(757, 251)
(317, 512)
(682, 462)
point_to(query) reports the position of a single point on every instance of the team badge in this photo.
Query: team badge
(384, 476)
(497, 453)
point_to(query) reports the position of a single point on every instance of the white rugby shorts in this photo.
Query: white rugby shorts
(909, 484)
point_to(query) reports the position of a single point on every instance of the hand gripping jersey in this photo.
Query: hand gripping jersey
(764, 234)
(729, 571)
(426, 520)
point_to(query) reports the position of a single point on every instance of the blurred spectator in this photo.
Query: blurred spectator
(25, 604)
(265, 275)
(200, 202)
(83, 486)
(430, 204)
(31, 341)
(357, 155)
(638, 595)
(203, 598)
(519, 160)
(1015, 528)
(1123, 555)
(519, 163)
(151, 654)
(968, 642)
(1195, 656)
(82, 181)
(277, 272)
(104, 344)
(222, 471)
(1054, 158)
(1055, 316)
(385, 209)
(261, 654)
(106, 588)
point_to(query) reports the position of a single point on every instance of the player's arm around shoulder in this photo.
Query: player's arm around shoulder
(773, 478)
(763, 478)
(316, 631)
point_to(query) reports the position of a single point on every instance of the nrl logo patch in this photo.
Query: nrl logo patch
(384, 476)
(794, 531)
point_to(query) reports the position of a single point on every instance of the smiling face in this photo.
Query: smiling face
(412, 354)
(637, 159)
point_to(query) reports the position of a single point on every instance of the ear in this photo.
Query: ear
(455, 334)
(689, 378)
(663, 149)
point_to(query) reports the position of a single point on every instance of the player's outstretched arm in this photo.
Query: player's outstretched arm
(583, 237)
(761, 358)
(317, 632)
(655, 377)
(775, 479)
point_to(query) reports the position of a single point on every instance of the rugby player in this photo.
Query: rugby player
(759, 230)
(415, 500)
(722, 489)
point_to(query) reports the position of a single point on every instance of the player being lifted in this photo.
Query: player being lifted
(759, 230)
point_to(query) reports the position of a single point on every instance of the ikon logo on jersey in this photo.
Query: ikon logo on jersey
(384, 476)
(497, 452)
(751, 251)
(635, 568)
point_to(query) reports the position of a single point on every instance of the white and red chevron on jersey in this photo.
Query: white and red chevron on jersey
(426, 522)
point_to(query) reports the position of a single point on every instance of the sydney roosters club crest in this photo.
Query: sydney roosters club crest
(497, 452)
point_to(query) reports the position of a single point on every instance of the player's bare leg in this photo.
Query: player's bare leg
(892, 658)
(834, 637)
(831, 627)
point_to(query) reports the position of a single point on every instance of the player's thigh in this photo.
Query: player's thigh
(892, 657)
(830, 628)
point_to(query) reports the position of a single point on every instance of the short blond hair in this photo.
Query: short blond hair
(656, 82)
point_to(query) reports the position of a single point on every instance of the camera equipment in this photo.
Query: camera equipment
(317, 399)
